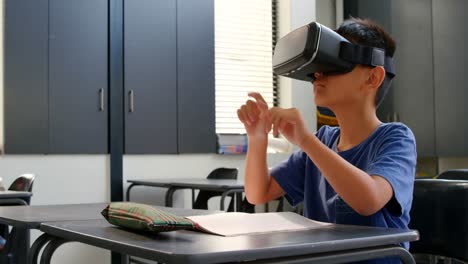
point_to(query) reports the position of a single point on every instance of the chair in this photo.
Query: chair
(201, 202)
(24, 183)
(459, 174)
(440, 214)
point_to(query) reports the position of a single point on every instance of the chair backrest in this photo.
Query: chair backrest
(201, 202)
(440, 214)
(458, 174)
(223, 173)
(24, 183)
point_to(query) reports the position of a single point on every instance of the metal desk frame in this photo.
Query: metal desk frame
(178, 184)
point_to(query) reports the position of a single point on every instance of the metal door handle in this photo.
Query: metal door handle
(131, 96)
(101, 99)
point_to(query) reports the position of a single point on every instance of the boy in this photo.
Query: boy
(359, 173)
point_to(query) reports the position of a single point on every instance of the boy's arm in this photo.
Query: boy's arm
(260, 187)
(366, 194)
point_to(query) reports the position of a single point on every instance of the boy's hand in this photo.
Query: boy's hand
(290, 123)
(254, 116)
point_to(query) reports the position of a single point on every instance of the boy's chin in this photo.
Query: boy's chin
(321, 103)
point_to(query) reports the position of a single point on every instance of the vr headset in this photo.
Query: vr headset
(315, 48)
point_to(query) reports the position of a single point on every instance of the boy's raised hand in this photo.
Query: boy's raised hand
(290, 123)
(254, 116)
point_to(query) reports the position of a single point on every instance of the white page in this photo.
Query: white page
(234, 224)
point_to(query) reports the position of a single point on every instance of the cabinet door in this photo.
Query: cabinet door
(451, 76)
(78, 116)
(25, 86)
(196, 79)
(413, 95)
(150, 76)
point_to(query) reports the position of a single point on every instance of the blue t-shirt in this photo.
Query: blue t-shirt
(389, 152)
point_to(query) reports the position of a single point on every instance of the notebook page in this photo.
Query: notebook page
(234, 224)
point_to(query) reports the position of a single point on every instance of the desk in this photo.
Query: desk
(330, 244)
(14, 197)
(24, 218)
(227, 187)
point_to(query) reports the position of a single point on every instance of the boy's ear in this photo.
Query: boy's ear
(376, 77)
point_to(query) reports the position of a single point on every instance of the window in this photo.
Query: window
(245, 31)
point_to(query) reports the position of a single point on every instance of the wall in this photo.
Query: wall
(85, 178)
(68, 179)
(329, 13)
(303, 12)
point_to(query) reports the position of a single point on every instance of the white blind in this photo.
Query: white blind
(243, 57)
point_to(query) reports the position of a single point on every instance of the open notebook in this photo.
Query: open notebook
(146, 218)
(234, 224)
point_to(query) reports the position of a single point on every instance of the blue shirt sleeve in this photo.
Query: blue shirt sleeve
(395, 160)
(290, 175)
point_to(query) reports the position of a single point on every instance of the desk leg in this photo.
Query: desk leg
(118, 258)
(17, 246)
(37, 246)
(226, 193)
(49, 250)
(127, 195)
(193, 197)
(169, 196)
(345, 256)
(23, 240)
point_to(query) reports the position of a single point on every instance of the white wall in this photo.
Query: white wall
(301, 12)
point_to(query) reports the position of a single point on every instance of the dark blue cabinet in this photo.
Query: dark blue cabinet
(78, 76)
(169, 77)
(56, 77)
(150, 77)
(25, 76)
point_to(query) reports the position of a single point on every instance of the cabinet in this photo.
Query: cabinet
(78, 76)
(150, 54)
(427, 93)
(169, 77)
(56, 76)
(25, 76)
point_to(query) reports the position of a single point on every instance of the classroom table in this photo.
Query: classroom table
(328, 244)
(24, 218)
(14, 197)
(226, 187)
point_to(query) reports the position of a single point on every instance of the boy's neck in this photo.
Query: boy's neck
(355, 126)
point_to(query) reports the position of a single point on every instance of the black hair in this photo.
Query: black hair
(368, 33)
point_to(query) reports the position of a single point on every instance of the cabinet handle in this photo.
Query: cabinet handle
(101, 99)
(131, 96)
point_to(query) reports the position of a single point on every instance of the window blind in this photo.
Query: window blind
(245, 32)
